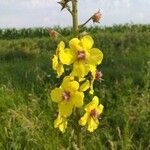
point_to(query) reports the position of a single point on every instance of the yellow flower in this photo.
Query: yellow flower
(67, 96)
(93, 110)
(61, 123)
(82, 55)
(56, 63)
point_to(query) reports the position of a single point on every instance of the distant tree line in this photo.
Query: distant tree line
(43, 32)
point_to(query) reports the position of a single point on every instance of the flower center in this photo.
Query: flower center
(98, 75)
(81, 55)
(66, 95)
(93, 113)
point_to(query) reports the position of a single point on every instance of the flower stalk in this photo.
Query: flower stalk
(95, 17)
(75, 17)
(81, 26)
(79, 131)
(70, 95)
(75, 33)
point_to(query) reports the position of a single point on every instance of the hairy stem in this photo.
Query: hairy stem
(75, 17)
(75, 34)
(79, 131)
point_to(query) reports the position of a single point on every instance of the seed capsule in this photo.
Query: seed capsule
(96, 17)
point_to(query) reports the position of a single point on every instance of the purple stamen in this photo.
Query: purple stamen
(66, 95)
(93, 114)
(81, 55)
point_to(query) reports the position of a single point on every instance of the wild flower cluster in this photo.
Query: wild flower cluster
(82, 60)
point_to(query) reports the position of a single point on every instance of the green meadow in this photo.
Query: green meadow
(26, 79)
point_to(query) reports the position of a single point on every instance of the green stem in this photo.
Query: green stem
(78, 130)
(75, 34)
(79, 140)
(75, 17)
(81, 26)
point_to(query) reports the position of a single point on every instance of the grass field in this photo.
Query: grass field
(26, 79)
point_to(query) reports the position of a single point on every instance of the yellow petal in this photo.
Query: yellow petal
(69, 85)
(73, 86)
(93, 70)
(87, 42)
(80, 69)
(63, 126)
(92, 124)
(77, 99)
(56, 95)
(60, 70)
(95, 101)
(60, 47)
(60, 123)
(95, 57)
(93, 104)
(84, 119)
(74, 44)
(100, 109)
(57, 121)
(57, 66)
(67, 56)
(85, 86)
(55, 62)
(82, 79)
(65, 108)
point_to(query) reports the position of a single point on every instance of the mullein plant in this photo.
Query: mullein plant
(82, 60)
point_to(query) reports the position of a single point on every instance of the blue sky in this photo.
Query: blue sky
(43, 13)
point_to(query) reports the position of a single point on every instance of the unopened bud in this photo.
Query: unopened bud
(96, 17)
(98, 75)
(53, 34)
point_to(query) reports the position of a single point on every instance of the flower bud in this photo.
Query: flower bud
(53, 34)
(96, 17)
(98, 75)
